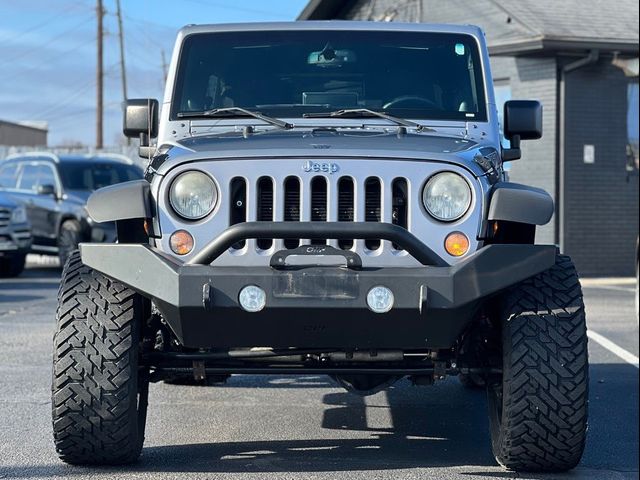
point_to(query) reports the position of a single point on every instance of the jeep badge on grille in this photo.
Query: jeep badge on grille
(320, 167)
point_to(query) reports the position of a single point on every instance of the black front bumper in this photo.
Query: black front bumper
(317, 307)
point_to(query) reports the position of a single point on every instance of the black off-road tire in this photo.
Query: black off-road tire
(99, 392)
(538, 412)
(69, 237)
(12, 267)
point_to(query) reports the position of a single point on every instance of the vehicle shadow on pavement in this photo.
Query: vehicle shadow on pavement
(403, 428)
(441, 426)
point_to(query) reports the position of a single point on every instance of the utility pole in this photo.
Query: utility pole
(123, 70)
(99, 77)
(164, 66)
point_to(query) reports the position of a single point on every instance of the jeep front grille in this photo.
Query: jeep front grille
(282, 190)
(264, 188)
(346, 205)
(318, 206)
(5, 217)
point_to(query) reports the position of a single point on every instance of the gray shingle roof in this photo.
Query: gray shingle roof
(512, 25)
(575, 19)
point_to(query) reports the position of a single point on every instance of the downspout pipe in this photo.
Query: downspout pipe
(591, 58)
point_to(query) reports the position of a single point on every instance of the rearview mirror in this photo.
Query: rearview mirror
(522, 121)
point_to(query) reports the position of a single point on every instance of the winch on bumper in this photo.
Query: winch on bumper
(317, 306)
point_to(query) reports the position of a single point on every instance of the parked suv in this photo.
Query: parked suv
(325, 198)
(55, 189)
(15, 236)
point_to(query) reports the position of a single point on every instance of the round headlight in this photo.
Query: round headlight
(193, 195)
(447, 196)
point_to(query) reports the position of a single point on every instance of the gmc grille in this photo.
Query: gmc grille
(5, 217)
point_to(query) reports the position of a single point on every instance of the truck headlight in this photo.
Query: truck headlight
(446, 196)
(193, 195)
(19, 215)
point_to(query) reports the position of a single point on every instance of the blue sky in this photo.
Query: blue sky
(47, 56)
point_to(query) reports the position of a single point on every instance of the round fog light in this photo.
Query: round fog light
(456, 244)
(380, 299)
(252, 298)
(181, 242)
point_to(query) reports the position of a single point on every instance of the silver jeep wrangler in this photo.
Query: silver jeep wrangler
(325, 198)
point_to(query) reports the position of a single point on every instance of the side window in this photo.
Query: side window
(46, 175)
(29, 178)
(502, 91)
(9, 176)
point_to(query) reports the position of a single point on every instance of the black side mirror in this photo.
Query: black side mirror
(46, 189)
(522, 121)
(141, 121)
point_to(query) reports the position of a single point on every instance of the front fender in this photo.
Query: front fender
(514, 202)
(122, 201)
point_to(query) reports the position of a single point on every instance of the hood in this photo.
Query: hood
(387, 143)
(322, 143)
(7, 201)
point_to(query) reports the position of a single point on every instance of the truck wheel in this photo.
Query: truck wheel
(68, 240)
(538, 411)
(99, 392)
(12, 267)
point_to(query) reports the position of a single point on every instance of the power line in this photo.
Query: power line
(21, 70)
(12, 37)
(241, 9)
(78, 90)
(47, 42)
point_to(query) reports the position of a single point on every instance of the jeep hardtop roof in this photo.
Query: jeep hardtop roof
(332, 25)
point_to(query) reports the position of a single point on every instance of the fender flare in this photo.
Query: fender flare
(123, 201)
(514, 202)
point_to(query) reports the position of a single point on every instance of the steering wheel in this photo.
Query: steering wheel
(409, 101)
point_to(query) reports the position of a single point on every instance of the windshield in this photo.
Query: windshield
(292, 73)
(91, 176)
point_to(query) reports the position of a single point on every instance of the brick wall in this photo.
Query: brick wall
(600, 199)
(534, 79)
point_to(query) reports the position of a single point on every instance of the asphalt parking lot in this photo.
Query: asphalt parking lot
(305, 427)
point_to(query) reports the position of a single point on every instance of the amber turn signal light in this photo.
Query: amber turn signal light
(181, 242)
(456, 244)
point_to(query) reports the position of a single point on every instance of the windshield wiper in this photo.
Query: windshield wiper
(236, 112)
(365, 112)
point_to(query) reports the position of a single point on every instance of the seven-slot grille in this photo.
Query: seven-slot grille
(313, 202)
(5, 217)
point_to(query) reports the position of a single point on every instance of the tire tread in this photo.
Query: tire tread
(545, 404)
(95, 369)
